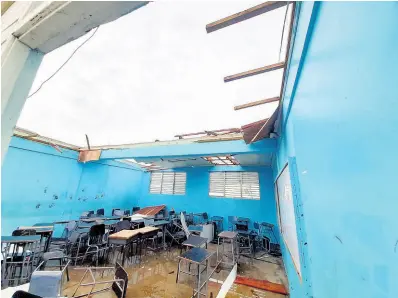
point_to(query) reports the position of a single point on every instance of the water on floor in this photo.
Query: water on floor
(155, 276)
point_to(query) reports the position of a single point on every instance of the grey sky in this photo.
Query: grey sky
(155, 73)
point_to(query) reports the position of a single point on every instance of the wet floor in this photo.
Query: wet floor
(155, 276)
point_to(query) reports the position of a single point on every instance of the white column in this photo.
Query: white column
(18, 70)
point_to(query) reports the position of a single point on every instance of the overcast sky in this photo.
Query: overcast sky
(156, 73)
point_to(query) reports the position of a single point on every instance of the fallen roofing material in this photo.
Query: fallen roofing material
(261, 284)
(152, 210)
(244, 15)
(211, 132)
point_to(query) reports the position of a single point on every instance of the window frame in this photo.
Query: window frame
(228, 188)
(183, 183)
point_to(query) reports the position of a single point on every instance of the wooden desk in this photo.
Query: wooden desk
(124, 239)
(43, 231)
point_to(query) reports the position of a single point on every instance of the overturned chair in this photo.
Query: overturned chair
(48, 283)
(118, 284)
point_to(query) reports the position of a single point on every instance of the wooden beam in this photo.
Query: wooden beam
(256, 103)
(244, 15)
(254, 72)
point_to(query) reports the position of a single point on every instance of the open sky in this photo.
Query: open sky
(155, 73)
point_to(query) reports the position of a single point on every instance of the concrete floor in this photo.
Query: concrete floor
(155, 276)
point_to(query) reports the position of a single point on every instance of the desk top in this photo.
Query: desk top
(195, 241)
(146, 230)
(228, 234)
(161, 223)
(124, 234)
(20, 239)
(36, 228)
(61, 222)
(44, 224)
(127, 234)
(196, 255)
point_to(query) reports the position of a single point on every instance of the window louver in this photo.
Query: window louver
(168, 183)
(243, 185)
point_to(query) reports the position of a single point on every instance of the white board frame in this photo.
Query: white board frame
(293, 251)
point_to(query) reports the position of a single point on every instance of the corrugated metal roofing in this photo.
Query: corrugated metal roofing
(152, 210)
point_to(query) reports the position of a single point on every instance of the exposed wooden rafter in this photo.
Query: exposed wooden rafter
(287, 54)
(244, 15)
(254, 72)
(256, 103)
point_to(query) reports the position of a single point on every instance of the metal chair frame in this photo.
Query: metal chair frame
(118, 285)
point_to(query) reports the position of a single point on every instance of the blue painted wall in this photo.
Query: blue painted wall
(40, 184)
(197, 199)
(340, 124)
(108, 185)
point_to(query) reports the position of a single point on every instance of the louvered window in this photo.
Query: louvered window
(170, 183)
(243, 185)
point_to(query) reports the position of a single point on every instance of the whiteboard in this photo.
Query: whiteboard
(287, 218)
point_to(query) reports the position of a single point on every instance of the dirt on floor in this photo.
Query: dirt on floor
(154, 276)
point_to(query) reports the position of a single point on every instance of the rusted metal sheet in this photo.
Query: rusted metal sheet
(251, 129)
(267, 128)
(89, 155)
(152, 210)
(260, 129)
(261, 284)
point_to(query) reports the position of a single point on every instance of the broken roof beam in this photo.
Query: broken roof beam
(189, 149)
(254, 72)
(209, 132)
(256, 103)
(244, 15)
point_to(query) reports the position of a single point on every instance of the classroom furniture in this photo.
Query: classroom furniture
(199, 257)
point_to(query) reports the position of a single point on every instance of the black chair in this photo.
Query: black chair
(127, 212)
(122, 225)
(119, 286)
(101, 212)
(135, 209)
(28, 232)
(113, 211)
(23, 294)
(97, 242)
(205, 217)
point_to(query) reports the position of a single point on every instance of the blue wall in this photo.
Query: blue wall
(40, 184)
(108, 185)
(340, 124)
(197, 199)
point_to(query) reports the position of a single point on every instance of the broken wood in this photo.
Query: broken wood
(256, 103)
(261, 284)
(89, 155)
(244, 15)
(254, 72)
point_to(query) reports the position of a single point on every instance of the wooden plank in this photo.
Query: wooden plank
(89, 155)
(244, 15)
(145, 230)
(254, 72)
(261, 284)
(124, 234)
(256, 103)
